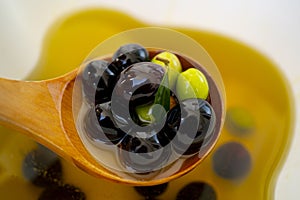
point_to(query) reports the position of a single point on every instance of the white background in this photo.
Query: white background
(272, 26)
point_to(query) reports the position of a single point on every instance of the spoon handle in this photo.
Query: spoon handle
(34, 107)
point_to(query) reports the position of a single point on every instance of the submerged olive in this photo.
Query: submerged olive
(150, 192)
(42, 167)
(196, 126)
(239, 121)
(62, 192)
(197, 191)
(232, 161)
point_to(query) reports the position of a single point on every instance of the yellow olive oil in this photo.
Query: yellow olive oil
(259, 114)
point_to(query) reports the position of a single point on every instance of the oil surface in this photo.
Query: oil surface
(254, 87)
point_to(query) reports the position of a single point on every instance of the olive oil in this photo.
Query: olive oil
(253, 84)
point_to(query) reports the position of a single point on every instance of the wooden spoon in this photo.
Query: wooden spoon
(43, 111)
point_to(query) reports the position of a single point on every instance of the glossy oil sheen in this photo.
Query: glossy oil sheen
(252, 82)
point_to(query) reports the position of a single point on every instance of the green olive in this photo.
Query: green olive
(145, 113)
(239, 120)
(172, 63)
(150, 113)
(192, 83)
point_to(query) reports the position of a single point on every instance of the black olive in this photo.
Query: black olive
(62, 192)
(90, 77)
(140, 52)
(143, 155)
(172, 124)
(137, 85)
(99, 126)
(139, 82)
(232, 161)
(196, 126)
(42, 167)
(111, 75)
(197, 191)
(150, 192)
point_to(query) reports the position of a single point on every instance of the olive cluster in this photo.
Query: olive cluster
(147, 107)
(43, 168)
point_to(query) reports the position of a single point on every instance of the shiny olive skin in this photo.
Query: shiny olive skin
(143, 155)
(90, 77)
(144, 114)
(136, 49)
(190, 110)
(172, 124)
(100, 127)
(137, 85)
(111, 74)
(170, 61)
(192, 83)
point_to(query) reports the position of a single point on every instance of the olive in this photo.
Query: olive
(136, 86)
(172, 124)
(197, 191)
(232, 161)
(90, 77)
(170, 61)
(145, 114)
(143, 155)
(197, 124)
(42, 167)
(100, 127)
(150, 192)
(239, 121)
(111, 74)
(139, 51)
(62, 192)
(192, 83)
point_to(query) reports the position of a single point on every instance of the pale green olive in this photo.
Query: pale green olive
(144, 113)
(192, 83)
(172, 63)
